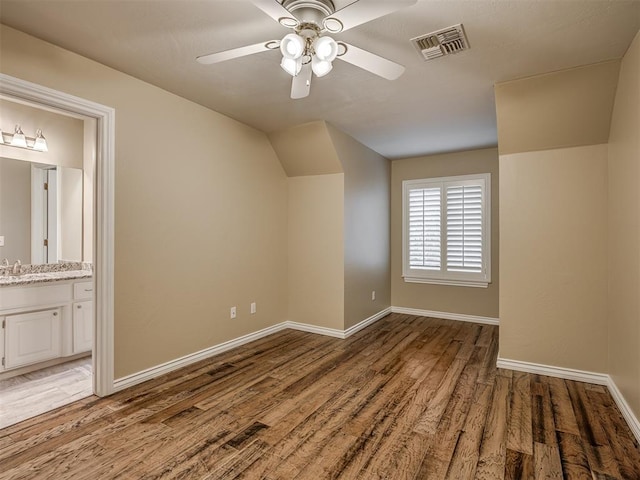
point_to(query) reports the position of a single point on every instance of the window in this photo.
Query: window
(446, 230)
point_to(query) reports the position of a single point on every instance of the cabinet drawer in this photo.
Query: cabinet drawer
(33, 296)
(82, 290)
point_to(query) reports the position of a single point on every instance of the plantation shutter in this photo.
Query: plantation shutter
(464, 228)
(446, 230)
(425, 228)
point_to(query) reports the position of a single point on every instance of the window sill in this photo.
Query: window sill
(454, 283)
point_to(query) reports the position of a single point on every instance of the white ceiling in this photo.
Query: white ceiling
(441, 105)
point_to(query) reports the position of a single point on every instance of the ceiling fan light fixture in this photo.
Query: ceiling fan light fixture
(326, 48)
(291, 65)
(320, 67)
(292, 46)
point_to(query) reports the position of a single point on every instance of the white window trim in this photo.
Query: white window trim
(481, 280)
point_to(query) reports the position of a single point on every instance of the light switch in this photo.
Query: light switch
(1, 240)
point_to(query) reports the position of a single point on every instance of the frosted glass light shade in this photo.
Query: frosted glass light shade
(326, 48)
(292, 46)
(40, 142)
(19, 140)
(320, 67)
(291, 66)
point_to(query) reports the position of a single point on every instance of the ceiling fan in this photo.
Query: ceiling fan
(308, 50)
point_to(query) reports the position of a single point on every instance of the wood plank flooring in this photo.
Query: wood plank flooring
(37, 392)
(406, 398)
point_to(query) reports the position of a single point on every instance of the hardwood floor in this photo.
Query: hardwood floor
(406, 398)
(34, 393)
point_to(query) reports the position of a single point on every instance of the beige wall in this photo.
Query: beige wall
(316, 250)
(306, 150)
(442, 298)
(553, 248)
(199, 200)
(15, 209)
(624, 232)
(563, 109)
(64, 134)
(553, 216)
(367, 180)
(338, 226)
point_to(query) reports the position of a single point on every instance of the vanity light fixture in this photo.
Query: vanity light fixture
(20, 140)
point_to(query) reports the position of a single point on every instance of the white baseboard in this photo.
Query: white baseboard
(625, 409)
(446, 315)
(366, 322)
(580, 376)
(560, 372)
(334, 332)
(153, 372)
(305, 327)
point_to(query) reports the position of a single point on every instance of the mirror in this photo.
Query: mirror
(41, 212)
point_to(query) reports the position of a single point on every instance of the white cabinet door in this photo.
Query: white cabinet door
(32, 337)
(82, 326)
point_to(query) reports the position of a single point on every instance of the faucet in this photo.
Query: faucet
(17, 268)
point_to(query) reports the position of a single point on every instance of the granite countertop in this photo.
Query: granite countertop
(31, 278)
(45, 273)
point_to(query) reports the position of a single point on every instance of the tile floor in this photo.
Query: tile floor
(31, 394)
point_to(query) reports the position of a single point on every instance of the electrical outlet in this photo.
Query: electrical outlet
(1, 236)
(233, 312)
(253, 307)
(373, 295)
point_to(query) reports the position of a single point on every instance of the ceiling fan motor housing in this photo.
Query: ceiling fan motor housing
(310, 11)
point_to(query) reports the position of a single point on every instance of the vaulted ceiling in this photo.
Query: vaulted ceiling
(440, 105)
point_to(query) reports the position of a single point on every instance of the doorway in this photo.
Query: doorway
(47, 221)
(103, 234)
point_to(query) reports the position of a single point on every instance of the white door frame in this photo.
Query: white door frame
(103, 238)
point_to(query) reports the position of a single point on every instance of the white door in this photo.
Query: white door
(32, 337)
(44, 214)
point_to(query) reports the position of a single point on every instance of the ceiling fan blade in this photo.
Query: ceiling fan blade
(371, 62)
(301, 85)
(276, 11)
(363, 11)
(237, 52)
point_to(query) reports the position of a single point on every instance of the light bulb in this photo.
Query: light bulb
(291, 66)
(292, 46)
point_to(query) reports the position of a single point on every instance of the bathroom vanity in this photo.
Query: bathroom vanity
(45, 315)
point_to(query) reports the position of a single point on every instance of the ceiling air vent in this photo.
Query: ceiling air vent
(443, 42)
